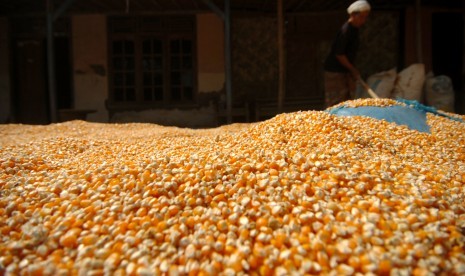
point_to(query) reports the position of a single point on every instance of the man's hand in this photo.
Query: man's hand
(346, 63)
(355, 73)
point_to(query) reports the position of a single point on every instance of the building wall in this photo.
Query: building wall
(429, 55)
(91, 49)
(255, 52)
(90, 71)
(210, 82)
(5, 100)
(255, 57)
(412, 34)
(210, 51)
(379, 44)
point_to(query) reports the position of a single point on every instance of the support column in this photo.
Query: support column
(51, 63)
(419, 38)
(227, 52)
(460, 105)
(226, 16)
(51, 17)
(281, 53)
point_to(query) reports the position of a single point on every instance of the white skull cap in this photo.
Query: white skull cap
(358, 6)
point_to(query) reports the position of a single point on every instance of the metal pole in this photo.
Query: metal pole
(418, 32)
(281, 85)
(214, 8)
(51, 63)
(62, 9)
(227, 39)
(460, 94)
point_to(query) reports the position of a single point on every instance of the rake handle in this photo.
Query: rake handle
(368, 89)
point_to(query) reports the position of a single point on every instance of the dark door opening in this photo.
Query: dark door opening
(447, 47)
(307, 41)
(31, 98)
(31, 95)
(302, 79)
(63, 73)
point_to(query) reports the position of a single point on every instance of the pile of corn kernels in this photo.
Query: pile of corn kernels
(302, 193)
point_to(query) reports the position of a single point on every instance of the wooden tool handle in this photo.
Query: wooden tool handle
(369, 90)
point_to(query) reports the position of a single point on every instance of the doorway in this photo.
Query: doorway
(307, 44)
(63, 85)
(447, 51)
(30, 79)
(30, 85)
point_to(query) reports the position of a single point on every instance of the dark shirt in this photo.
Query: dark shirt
(345, 43)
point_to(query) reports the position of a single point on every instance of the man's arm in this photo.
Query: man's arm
(346, 63)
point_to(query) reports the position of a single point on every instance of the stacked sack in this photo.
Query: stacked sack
(439, 92)
(412, 84)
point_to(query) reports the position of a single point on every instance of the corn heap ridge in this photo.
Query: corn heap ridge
(301, 193)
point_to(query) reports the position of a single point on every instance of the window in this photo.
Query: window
(181, 70)
(152, 69)
(124, 75)
(152, 60)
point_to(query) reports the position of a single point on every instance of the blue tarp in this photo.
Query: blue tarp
(413, 115)
(401, 115)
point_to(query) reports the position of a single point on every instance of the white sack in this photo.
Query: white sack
(439, 93)
(382, 83)
(409, 82)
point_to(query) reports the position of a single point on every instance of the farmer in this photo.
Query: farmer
(340, 73)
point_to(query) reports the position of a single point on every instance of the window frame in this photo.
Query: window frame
(138, 35)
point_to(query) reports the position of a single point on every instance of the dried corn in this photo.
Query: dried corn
(302, 193)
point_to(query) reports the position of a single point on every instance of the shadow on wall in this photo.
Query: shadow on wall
(203, 117)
